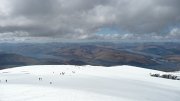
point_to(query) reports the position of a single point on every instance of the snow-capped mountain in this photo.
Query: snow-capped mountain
(86, 83)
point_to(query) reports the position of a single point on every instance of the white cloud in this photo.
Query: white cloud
(81, 19)
(175, 32)
(5, 8)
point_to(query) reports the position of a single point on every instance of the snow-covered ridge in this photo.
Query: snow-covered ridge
(85, 83)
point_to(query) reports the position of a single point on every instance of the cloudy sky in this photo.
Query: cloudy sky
(79, 20)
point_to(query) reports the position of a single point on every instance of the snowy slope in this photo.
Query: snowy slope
(85, 83)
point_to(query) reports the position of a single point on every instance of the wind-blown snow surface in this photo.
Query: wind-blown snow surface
(85, 83)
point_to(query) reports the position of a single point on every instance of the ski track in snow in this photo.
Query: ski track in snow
(86, 83)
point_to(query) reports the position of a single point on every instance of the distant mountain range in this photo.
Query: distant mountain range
(98, 55)
(9, 60)
(159, 56)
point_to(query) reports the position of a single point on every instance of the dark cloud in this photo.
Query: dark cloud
(81, 19)
(33, 7)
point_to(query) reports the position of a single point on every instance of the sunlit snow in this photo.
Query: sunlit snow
(85, 83)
